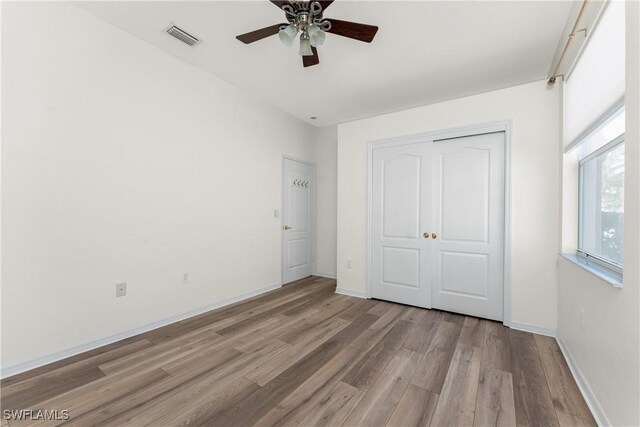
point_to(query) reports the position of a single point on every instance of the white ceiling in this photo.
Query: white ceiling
(424, 52)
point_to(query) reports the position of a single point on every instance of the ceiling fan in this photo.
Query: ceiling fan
(306, 17)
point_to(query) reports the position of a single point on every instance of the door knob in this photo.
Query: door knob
(425, 235)
(286, 227)
(434, 235)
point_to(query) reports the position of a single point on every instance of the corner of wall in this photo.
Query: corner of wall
(326, 158)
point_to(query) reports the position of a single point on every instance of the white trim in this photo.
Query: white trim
(604, 119)
(312, 233)
(54, 357)
(609, 146)
(590, 398)
(549, 332)
(506, 276)
(368, 232)
(588, 395)
(473, 130)
(349, 292)
(327, 275)
(609, 277)
(478, 129)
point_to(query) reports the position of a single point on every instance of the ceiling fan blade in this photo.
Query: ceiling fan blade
(280, 3)
(353, 30)
(308, 61)
(325, 4)
(256, 35)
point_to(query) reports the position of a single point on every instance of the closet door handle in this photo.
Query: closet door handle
(434, 236)
(425, 235)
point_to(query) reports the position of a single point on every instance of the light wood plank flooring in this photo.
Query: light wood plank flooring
(303, 355)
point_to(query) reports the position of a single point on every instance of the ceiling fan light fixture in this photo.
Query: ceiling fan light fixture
(305, 45)
(307, 17)
(288, 35)
(316, 35)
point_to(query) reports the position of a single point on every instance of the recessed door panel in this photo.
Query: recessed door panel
(470, 280)
(299, 202)
(464, 192)
(401, 197)
(401, 266)
(298, 253)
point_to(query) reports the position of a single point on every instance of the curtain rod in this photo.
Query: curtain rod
(552, 79)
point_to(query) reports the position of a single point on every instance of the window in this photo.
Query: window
(594, 126)
(601, 195)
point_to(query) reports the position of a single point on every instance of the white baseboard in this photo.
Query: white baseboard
(588, 395)
(357, 294)
(550, 332)
(583, 385)
(327, 275)
(54, 357)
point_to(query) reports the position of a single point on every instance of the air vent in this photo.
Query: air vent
(182, 35)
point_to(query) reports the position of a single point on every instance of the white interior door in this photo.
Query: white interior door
(400, 255)
(298, 220)
(468, 196)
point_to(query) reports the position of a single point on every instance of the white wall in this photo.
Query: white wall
(122, 163)
(534, 111)
(326, 155)
(606, 348)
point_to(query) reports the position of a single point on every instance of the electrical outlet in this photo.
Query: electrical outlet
(349, 264)
(121, 289)
(185, 278)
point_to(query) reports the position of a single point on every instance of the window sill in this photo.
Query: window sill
(613, 279)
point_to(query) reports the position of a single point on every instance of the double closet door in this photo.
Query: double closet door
(437, 224)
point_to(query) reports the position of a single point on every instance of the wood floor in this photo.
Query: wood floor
(303, 355)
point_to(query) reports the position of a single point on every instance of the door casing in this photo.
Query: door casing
(499, 126)
(312, 232)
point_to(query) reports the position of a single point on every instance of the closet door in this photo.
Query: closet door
(468, 200)
(400, 268)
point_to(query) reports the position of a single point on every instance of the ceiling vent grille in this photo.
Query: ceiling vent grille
(182, 35)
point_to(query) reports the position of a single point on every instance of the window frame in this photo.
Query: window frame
(611, 266)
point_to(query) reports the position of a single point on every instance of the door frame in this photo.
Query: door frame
(312, 228)
(479, 129)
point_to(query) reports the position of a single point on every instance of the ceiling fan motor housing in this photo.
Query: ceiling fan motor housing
(303, 14)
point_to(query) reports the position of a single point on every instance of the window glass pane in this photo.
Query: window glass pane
(602, 205)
